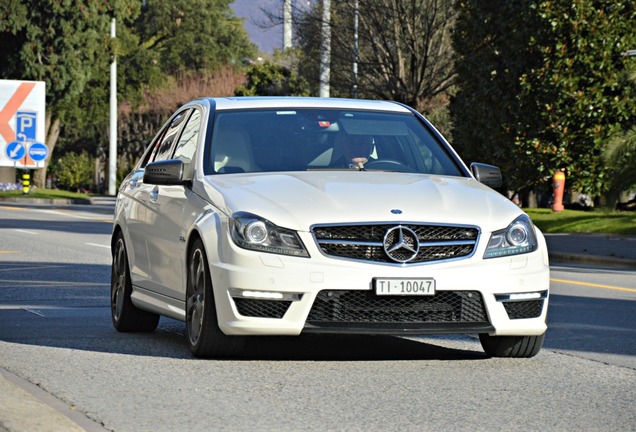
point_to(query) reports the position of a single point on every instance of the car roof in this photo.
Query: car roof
(231, 103)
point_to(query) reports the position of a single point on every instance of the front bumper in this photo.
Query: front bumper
(266, 294)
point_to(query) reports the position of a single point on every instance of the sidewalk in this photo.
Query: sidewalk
(24, 407)
(592, 249)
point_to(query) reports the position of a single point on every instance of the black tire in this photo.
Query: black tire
(125, 315)
(205, 338)
(511, 346)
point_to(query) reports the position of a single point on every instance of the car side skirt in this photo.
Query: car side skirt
(157, 303)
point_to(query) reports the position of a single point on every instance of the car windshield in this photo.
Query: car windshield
(323, 139)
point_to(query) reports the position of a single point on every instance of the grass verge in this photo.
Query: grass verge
(576, 221)
(45, 193)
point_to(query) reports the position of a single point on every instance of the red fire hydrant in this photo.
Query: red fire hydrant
(558, 187)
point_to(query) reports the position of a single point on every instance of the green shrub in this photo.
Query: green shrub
(74, 171)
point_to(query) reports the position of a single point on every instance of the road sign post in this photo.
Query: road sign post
(26, 182)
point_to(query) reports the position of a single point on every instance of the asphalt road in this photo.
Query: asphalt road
(55, 332)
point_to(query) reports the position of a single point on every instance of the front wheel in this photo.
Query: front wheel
(125, 315)
(205, 338)
(511, 346)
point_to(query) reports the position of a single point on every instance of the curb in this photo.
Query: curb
(25, 407)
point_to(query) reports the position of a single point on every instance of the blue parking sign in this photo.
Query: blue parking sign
(26, 122)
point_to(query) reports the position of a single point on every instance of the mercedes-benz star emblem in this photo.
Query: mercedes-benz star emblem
(401, 244)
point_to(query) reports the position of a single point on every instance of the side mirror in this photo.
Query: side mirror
(487, 174)
(167, 172)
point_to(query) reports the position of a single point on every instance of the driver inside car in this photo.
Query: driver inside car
(357, 149)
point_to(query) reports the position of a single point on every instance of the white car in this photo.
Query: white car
(281, 216)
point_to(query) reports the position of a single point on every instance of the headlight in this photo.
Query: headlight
(255, 233)
(517, 238)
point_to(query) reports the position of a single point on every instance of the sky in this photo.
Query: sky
(267, 39)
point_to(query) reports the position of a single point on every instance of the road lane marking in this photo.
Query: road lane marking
(35, 312)
(47, 283)
(25, 231)
(8, 252)
(593, 285)
(98, 245)
(71, 214)
(61, 213)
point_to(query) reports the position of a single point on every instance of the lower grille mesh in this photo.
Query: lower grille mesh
(261, 308)
(364, 307)
(524, 309)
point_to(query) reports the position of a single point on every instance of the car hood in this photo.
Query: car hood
(299, 200)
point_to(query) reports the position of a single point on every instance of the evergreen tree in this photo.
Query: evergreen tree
(579, 90)
(492, 41)
(541, 87)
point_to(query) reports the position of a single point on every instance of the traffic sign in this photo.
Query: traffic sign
(38, 151)
(22, 120)
(26, 122)
(15, 150)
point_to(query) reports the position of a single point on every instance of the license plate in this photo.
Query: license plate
(401, 286)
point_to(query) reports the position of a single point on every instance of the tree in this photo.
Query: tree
(580, 88)
(560, 97)
(194, 35)
(405, 51)
(67, 44)
(621, 153)
(64, 43)
(492, 42)
(178, 50)
(621, 158)
(269, 79)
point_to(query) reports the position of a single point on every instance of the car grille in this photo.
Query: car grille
(373, 242)
(524, 309)
(261, 308)
(365, 308)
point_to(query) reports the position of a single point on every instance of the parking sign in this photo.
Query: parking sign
(26, 122)
(22, 121)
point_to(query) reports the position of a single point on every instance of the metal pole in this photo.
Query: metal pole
(354, 92)
(112, 150)
(325, 54)
(287, 24)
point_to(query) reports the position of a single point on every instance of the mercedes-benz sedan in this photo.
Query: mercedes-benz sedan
(283, 216)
